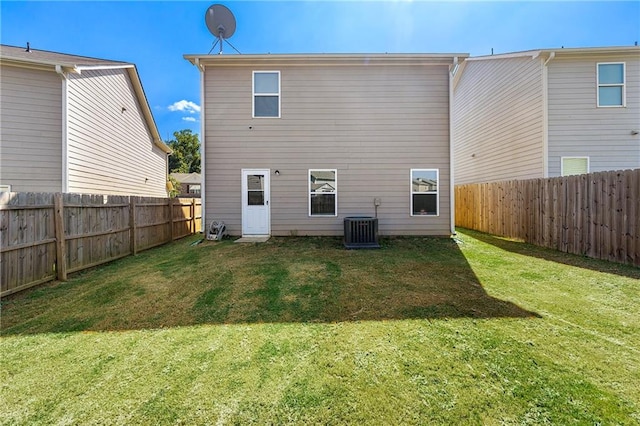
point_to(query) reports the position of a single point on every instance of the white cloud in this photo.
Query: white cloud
(188, 118)
(185, 106)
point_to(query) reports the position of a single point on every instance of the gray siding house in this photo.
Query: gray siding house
(76, 124)
(293, 144)
(546, 113)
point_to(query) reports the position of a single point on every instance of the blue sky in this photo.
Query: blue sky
(155, 35)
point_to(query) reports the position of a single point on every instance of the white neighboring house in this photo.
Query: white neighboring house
(546, 113)
(76, 124)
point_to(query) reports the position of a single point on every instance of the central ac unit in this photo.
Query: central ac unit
(361, 232)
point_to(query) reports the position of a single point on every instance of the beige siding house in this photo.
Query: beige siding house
(76, 124)
(546, 113)
(293, 144)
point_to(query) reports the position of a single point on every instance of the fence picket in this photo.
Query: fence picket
(43, 236)
(597, 215)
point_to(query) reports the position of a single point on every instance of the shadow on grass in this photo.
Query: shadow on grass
(577, 261)
(286, 280)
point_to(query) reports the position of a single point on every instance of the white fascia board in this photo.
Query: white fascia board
(81, 68)
(528, 53)
(144, 105)
(326, 60)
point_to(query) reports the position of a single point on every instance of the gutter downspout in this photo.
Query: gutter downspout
(203, 170)
(545, 115)
(452, 200)
(65, 133)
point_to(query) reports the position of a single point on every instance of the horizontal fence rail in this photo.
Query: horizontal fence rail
(45, 236)
(595, 215)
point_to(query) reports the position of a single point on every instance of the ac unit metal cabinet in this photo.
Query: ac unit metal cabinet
(361, 232)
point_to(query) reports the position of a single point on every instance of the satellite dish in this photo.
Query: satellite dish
(220, 22)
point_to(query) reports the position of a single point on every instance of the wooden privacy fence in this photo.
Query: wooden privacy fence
(596, 215)
(45, 236)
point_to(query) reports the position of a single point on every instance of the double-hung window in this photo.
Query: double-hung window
(424, 192)
(266, 94)
(323, 192)
(611, 90)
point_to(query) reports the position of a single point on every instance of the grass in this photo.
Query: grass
(477, 330)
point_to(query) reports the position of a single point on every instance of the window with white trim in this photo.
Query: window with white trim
(266, 94)
(574, 166)
(323, 192)
(424, 192)
(611, 84)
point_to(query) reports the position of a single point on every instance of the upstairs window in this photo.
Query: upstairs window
(266, 94)
(611, 90)
(323, 192)
(424, 192)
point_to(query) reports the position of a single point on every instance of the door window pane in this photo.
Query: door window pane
(255, 198)
(255, 190)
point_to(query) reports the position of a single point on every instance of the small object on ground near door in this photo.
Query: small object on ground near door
(216, 231)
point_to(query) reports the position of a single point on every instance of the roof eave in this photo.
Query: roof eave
(572, 51)
(38, 64)
(146, 110)
(327, 59)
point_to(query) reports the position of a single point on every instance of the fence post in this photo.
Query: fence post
(61, 249)
(193, 216)
(171, 219)
(132, 225)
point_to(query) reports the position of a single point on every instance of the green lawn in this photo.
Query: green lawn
(472, 330)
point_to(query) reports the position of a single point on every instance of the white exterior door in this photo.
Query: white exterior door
(256, 214)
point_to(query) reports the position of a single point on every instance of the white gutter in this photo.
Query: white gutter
(203, 163)
(545, 115)
(65, 133)
(452, 198)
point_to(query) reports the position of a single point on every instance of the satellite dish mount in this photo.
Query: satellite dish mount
(221, 23)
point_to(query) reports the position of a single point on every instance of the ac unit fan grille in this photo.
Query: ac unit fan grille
(361, 232)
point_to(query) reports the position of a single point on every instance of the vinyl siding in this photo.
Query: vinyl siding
(577, 127)
(498, 121)
(373, 124)
(111, 151)
(30, 129)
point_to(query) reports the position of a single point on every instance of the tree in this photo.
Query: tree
(186, 152)
(175, 187)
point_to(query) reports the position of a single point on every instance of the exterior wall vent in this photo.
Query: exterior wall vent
(361, 232)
